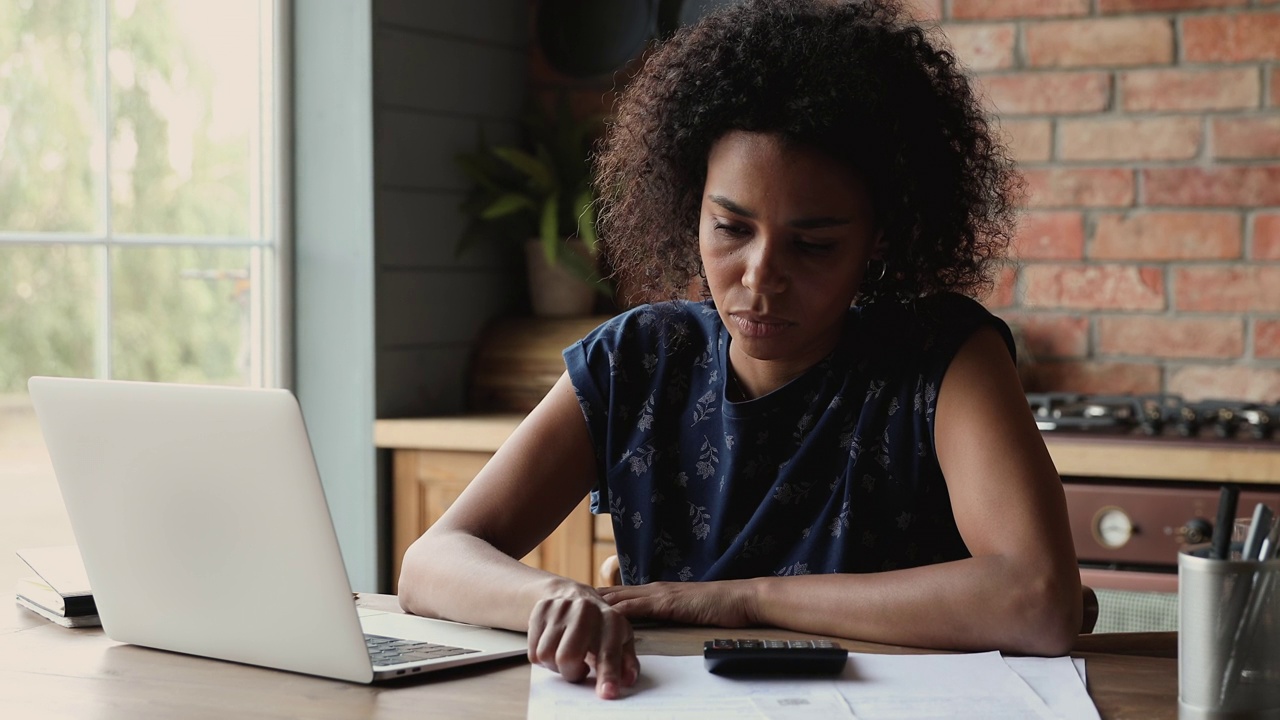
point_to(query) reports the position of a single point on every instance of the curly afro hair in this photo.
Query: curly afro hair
(852, 78)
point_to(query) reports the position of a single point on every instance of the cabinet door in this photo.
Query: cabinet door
(427, 482)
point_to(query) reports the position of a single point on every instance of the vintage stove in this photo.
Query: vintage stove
(1142, 476)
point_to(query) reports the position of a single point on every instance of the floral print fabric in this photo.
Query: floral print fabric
(834, 472)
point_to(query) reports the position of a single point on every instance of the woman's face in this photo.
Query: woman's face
(785, 234)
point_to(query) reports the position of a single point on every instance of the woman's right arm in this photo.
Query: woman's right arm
(465, 566)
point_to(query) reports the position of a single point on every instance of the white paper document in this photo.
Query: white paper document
(872, 687)
(1060, 682)
(975, 685)
(680, 688)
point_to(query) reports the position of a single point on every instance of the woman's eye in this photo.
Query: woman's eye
(813, 247)
(730, 230)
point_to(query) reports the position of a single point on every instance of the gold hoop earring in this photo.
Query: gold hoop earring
(876, 269)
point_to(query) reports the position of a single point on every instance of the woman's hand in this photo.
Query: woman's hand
(724, 603)
(577, 631)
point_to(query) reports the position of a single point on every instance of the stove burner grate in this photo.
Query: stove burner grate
(1154, 415)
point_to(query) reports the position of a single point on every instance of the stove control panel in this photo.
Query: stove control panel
(1120, 524)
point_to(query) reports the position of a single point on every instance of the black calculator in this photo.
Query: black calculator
(774, 657)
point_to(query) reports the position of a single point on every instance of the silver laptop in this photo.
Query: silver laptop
(204, 530)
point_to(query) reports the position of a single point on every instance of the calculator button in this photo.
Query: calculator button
(775, 644)
(722, 644)
(801, 644)
(748, 644)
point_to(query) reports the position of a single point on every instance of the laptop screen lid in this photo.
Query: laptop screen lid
(202, 523)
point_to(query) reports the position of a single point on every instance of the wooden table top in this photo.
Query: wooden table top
(47, 671)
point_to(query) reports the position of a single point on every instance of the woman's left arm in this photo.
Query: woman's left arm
(1020, 590)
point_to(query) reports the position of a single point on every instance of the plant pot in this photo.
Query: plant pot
(553, 290)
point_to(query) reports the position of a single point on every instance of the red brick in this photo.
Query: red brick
(1029, 140)
(1233, 37)
(1167, 236)
(1093, 287)
(1229, 89)
(1266, 339)
(1100, 43)
(1235, 288)
(1203, 382)
(1050, 236)
(983, 47)
(1052, 334)
(1048, 92)
(1266, 236)
(1095, 187)
(1256, 185)
(1122, 6)
(1003, 290)
(1170, 337)
(924, 11)
(1165, 138)
(1104, 378)
(1004, 9)
(1246, 137)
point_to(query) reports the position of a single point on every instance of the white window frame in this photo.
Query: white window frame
(270, 317)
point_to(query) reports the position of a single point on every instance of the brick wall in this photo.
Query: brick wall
(1148, 258)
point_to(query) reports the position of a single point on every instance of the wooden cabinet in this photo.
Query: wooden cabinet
(434, 459)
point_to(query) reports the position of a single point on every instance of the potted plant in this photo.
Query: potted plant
(541, 198)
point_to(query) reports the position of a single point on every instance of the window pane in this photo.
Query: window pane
(50, 135)
(184, 103)
(49, 311)
(181, 314)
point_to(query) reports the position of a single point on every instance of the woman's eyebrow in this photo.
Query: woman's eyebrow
(731, 206)
(811, 223)
(817, 223)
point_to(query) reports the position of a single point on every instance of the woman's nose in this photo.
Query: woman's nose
(765, 272)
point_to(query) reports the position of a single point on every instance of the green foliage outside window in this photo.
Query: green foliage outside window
(179, 312)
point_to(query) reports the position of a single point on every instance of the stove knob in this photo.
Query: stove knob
(1196, 531)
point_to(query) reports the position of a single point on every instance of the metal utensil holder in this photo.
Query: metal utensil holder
(1228, 638)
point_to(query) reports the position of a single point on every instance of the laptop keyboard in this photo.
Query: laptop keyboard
(394, 651)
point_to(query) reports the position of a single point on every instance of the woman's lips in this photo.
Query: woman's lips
(759, 326)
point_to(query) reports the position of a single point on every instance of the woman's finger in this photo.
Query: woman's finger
(615, 635)
(640, 607)
(549, 642)
(580, 636)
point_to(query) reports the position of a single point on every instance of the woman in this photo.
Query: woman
(836, 441)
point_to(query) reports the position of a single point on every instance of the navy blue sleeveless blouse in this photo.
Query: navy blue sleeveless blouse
(835, 472)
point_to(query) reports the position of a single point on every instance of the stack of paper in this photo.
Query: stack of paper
(60, 592)
(872, 687)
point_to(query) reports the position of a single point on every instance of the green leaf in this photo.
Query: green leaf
(539, 174)
(550, 231)
(506, 205)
